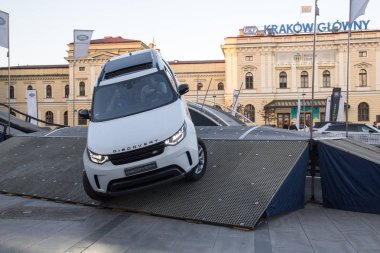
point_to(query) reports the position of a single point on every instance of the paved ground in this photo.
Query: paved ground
(31, 225)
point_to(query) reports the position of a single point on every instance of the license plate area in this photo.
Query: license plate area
(140, 169)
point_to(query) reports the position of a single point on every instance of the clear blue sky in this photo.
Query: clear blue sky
(184, 30)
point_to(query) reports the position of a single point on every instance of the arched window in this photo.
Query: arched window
(249, 81)
(82, 89)
(67, 91)
(363, 112)
(11, 92)
(283, 80)
(30, 87)
(362, 78)
(199, 86)
(220, 86)
(304, 79)
(49, 117)
(66, 118)
(81, 121)
(249, 112)
(326, 79)
(48, 91)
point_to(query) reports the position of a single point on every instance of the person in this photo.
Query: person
(152, 91)
(285, 126)
(117, 102)
(293, 126)
(375, 124)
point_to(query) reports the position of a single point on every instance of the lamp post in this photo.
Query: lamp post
(214, 96)
(304, 110)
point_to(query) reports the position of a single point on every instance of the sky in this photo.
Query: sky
(184, 30)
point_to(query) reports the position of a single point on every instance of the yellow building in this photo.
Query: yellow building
(272, 71)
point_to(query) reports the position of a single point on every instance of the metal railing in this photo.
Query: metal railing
(28, 118)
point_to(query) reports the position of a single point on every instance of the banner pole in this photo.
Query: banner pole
(9, 85)
(74, 92)
(348, 68)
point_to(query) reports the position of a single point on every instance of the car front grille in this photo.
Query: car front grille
(138, 154)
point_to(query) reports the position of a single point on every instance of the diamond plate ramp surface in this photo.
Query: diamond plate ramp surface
(242, 177)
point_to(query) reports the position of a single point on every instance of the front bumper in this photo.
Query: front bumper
(172, 164)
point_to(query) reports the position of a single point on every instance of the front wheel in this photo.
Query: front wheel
(90, 191)
(199, 170)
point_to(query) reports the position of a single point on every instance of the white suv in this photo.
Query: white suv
(140, 132)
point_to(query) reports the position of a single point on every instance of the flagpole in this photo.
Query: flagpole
(9, 84)
(73, 78)
(316, 11)
(348, 67)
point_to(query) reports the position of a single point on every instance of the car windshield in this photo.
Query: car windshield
(132, 96)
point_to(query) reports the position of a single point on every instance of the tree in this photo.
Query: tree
(267, 113)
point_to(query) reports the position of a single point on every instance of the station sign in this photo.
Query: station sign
(297, 28)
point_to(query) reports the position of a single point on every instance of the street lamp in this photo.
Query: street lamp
(214, 96)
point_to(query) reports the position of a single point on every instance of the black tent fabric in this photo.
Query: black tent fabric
(291, 194)
(349, 182)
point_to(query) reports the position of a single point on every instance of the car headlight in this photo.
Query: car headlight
(96, 158)
(177, 137)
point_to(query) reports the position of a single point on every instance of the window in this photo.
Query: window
(363, 112)
(249, 58)
(249, 112)
(67, 91)
(81, 121)
(283, 80)
(326, 79)
(49, 117)
(220, 86)
(322, 116)
(66, 118)
(82, 68)
(48, 91)
(82, 89)
(249, 81)
(304, 79)
(362, 78)
(199, 86)
(362, 53)
(11, 92)
(217, 106)
(30, 87)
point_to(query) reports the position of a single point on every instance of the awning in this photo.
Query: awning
(294, 103)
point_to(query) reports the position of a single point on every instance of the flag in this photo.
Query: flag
(235, 101)
(298, 112)
(82, 40)
(357, 8)
(32, 105)
(341, 108)
(4, 29)
(306, 9)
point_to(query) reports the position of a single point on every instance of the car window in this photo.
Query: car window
(132, 96)
(365, 129)
(336, 128)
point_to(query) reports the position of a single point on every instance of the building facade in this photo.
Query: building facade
(271, 72)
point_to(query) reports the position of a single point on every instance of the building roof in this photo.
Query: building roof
(196, 62)
(37, 67)
(110, 39)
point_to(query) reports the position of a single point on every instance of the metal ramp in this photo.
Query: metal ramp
(242, 178)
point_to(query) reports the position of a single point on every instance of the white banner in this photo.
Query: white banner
(328, 106)
(298, 112)
(32, 105)
(82, 39)
(357, 8)
(235, 104)
(341, 108)
(4, 29)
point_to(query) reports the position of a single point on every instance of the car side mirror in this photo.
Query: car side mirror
(84, 114)
(183, 89)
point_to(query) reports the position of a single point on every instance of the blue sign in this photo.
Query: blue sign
(307, 27)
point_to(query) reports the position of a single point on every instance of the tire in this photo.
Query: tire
(199, 170)
(90, 191)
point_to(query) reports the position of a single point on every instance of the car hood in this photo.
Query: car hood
(135, 131)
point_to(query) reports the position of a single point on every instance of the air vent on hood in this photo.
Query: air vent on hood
(128, 70)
